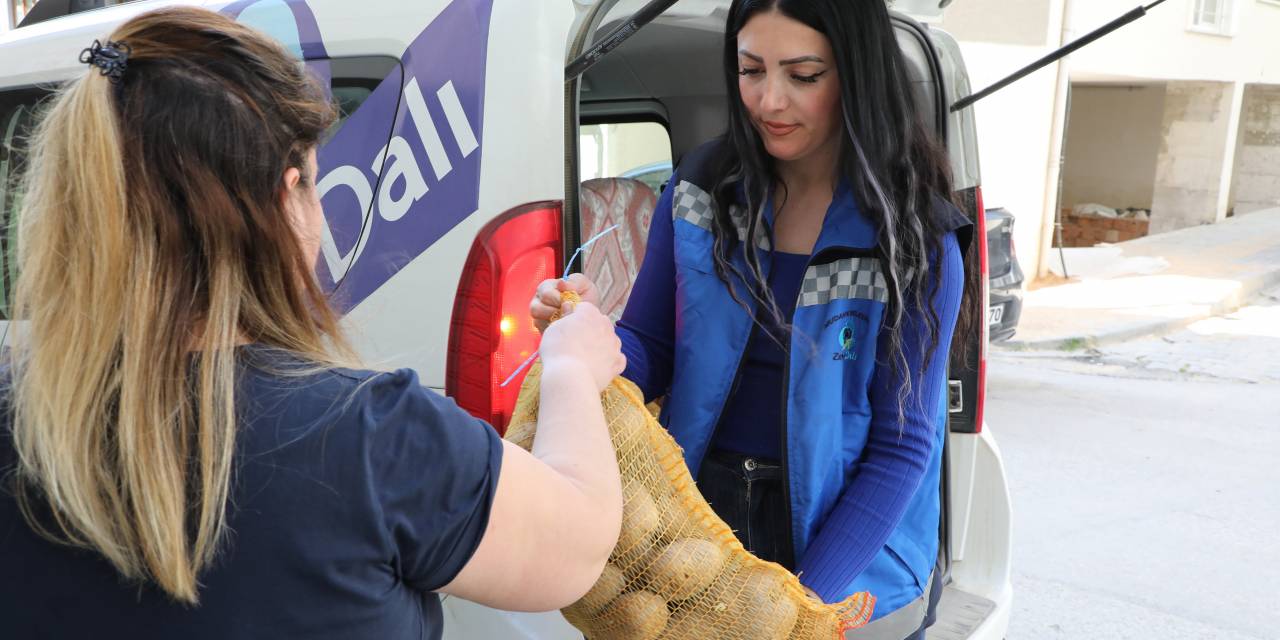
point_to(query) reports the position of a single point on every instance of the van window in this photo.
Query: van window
(637, 150)
(353, 80)
(639, 153)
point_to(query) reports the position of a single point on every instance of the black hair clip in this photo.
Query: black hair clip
(111, 58)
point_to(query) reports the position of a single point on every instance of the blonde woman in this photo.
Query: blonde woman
(183, 452)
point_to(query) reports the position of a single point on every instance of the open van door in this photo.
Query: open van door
(626, 81)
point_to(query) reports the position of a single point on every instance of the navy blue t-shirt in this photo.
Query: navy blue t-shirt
(355, 495)
(752, 420)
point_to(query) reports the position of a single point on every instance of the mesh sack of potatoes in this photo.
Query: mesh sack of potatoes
(678, 572)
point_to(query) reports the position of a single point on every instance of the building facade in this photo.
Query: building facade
(1174, 118)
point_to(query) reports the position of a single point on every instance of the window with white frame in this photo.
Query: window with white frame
(18, 9)
(1213, 15)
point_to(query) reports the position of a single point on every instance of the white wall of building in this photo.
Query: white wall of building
(1161, 47)
(1114, 135)
(998, 37)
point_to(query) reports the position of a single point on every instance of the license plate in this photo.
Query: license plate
(995, 315)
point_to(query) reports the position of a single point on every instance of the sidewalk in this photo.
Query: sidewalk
(1152, 285)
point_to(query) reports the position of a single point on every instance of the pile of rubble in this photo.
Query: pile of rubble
(1086, 225)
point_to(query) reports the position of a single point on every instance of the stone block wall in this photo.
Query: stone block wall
(1189, 171)
(1256, 184)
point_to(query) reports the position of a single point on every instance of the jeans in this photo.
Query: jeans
(747, 493)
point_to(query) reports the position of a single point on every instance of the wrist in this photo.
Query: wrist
(564, 368)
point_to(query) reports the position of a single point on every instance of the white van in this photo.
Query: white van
(466, 168)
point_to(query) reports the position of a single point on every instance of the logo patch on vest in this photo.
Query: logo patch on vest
(846, 337)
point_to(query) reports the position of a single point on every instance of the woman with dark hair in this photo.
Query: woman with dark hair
(186, 450)
(801, 286)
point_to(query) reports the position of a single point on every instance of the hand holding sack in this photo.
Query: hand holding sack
(678, 572)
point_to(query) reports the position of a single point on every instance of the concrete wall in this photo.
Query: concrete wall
(1257, 166)
(1113, 140)
(1197, 129)
(1014, 124)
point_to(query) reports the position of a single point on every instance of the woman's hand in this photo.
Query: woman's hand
(584, 337)
(546, 301)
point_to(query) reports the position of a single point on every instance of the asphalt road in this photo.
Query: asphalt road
(1146, 484)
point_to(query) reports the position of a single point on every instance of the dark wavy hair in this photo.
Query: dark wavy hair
(889, 156)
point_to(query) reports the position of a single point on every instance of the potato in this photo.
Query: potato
(640, 518)
(521, 434)
(627, 429)
(634, 616)
(685, 567)
(694, 624)
(606, 590)
(758, 601)
(678, 521)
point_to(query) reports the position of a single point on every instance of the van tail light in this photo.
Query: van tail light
(967, 382)
(984, 260)
(491, 333)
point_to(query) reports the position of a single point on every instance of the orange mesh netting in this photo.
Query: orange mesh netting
(678, 572)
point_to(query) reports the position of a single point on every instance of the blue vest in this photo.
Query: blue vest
(832, 357)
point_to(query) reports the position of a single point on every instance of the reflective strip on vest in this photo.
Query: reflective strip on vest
(899, 624)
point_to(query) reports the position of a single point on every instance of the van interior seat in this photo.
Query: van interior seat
(613, 262)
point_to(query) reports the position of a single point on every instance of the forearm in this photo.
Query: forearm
(573, 440)
(649, 360)
(897, 454)
(556, 511)
(866, 514)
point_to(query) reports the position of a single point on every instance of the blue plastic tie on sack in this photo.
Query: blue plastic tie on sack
(564, 277)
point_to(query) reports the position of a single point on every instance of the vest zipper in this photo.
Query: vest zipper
(733, 388)
(825, 255)
(786, 464)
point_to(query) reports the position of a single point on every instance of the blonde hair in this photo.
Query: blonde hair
(153, 239)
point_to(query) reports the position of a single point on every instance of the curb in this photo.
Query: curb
(1228, 304)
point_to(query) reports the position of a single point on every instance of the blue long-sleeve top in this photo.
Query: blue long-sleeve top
(894, 459)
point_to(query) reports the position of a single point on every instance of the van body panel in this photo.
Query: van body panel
(405, 322)
(50, 51)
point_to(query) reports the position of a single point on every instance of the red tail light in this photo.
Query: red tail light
(491, 334)
(984, 260)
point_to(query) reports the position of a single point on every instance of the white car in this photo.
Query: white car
(455, 183)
